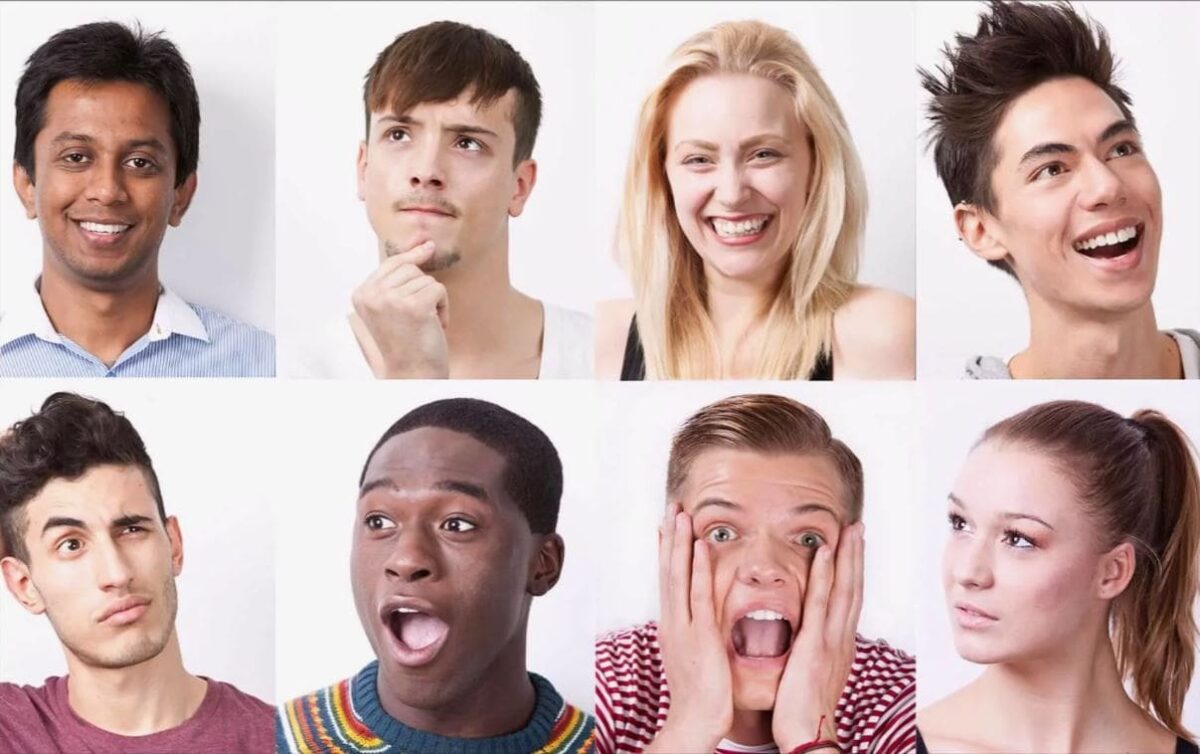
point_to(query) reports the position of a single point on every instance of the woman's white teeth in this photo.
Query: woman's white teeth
(1108, 239)
(405, 610)
(101, 228)
(727, 228)
(764, 615)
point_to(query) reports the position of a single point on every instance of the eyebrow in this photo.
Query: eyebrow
(458, 128)
(741, 145)
(148, 141)
(1007, 516)
(130, 520)
(798, 510)
(1041, 150)
(470, 489)
(64, 522)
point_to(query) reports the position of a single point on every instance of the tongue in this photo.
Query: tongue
(761, 638)
(418, 631)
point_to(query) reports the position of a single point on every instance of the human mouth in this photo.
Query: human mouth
(103, 232)
(415, 634)
(1113, 246)
(124, 611)
(761, 634)
(973, 618)
(739, 231)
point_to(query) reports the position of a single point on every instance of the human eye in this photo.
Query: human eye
(141, 163)
(1124, 149)
(459, 525)
(133, 529)
(69, 546)
(1046, 172)
(1017, 540)
(75, 158)
(957, 522)
(378, 522)
(396, 134)
(697, 160)
(810, 539)
(469, 144)
(719, 534)
(766, 154)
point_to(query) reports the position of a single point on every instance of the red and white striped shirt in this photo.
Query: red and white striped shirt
(876, 714)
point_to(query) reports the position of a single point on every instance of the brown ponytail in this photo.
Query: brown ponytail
(1138, 477)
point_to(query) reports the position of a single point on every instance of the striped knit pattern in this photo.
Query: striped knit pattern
(347, 718)
(875, 715)
(234, 349)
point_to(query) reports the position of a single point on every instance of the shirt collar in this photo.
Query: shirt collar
(27, 316)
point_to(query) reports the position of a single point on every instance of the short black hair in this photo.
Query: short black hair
(532, 470)
(109, 51)
(68, 436)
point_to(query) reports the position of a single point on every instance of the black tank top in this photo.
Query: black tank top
(1182, 746)
(633, 367)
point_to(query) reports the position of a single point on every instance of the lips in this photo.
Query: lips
(124, 611)
(739, 230)
(414, 630)
(103, 232)
(762, 633)
(971, 617)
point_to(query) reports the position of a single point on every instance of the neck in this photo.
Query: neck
(155, 695)
(1066, 344)
(736, 309)
(500, 702)
(1069, 700)
(102, 322)
(751, 727)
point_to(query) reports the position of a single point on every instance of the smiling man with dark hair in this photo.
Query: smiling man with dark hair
(1042, 159)
(454, 535)
(107, 145)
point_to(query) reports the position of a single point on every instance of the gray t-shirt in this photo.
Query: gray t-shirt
(993, 368)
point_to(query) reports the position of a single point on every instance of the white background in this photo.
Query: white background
(320, 639)
(639, 420)
(223, 254)
(864, 51)
(328, 246)
(953, 416)
(209, 442)
(967, 307)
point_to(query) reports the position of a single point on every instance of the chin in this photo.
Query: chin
(755, 695)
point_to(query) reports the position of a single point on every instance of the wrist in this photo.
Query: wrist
(801, 732)
(682, 737)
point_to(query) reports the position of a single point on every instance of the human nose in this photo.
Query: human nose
(425, 169)
(1102, 186)
(762, 567)
(106, 183)
(731, 186)
(970, 563)
(114, 570)
(412, 558)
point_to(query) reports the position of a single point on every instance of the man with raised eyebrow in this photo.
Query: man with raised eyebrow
(105, 158)
(1039, 152)
(452, 114)
(453, 537)
(86, 542)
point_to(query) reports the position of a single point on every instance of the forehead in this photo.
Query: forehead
(105, 110)
(496, 115)
(101, 494)
(1067, 110)
(767, 484)
(1004, 477)
(433, 453)
(731, 107)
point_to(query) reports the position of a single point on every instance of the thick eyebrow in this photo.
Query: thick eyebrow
(1041, 150)
(798, 510)
(1120, 126)
(121, 522)
(469, 489)
(458, 128)
(1007, 516)
(63, 521)
(148, 141)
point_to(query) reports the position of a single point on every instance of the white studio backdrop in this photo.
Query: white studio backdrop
(636, 427)
(320, 640)
(210, 444)
(952, 418)
(968, 308)
(223, 254)
(864, 51)
(323, 59)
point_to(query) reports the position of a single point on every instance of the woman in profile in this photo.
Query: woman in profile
(1070, 573)
(741, 227)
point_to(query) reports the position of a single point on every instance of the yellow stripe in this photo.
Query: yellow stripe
(550, 747)
(343, 721)
(297, 734)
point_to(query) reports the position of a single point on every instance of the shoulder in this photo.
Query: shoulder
(631, 692)
(573, 729)
(296, 720)
(939, 722)
(28, 713)
(567, 338)
(878, 709)
(612, 330)
(232, 698)
(874, 334)
(254, 348)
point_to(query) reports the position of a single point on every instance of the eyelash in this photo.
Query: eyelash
(1133, 150)
(958, 523)
(85, 159)
(699, 159)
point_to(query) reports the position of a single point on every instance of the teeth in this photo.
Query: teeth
(100, 228)
(1108, 239)
(726, 228)
(764, 615)
(405, 610)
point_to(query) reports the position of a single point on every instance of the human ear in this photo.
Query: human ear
(183, 199)
(175, 535)
(546, 565)
(21, 586)
(1117, 567)
(976, 228)
(23, 183)
(361, 170)
(526, 179)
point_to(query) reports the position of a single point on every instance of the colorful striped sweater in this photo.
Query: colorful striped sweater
(348, 718)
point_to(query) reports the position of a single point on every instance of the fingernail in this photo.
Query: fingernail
(428, 245)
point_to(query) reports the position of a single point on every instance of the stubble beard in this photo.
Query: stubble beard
(147, 647)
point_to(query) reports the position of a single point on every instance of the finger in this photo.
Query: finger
(816, 602)
(366, 344)
(418, 255)
(703, 610)
(666, 540)
(860, 571)
(431, 296)
(681, 567)
(841, 598)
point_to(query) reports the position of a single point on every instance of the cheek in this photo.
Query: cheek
(784, 186)
(690, 194)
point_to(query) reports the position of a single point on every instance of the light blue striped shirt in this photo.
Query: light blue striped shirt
(184, 340)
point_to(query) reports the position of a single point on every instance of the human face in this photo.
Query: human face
(105, 182)
(441, 566)
(764, 516)
(443, 172)
(1022, 564)
(102, 566)
(739, 162)
(1071, 169)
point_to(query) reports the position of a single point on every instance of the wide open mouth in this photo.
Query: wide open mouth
(416, 631)
(762, 633)
(1111, 245)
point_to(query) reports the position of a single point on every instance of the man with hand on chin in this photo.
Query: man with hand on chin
(452, 113)
(761, 582)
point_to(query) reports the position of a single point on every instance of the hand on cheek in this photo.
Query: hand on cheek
(694, 658)
(823, 650)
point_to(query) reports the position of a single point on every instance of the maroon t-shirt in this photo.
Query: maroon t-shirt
(36, 720)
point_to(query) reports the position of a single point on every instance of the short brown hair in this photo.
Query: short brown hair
(439, 61)
(1016, 47)
(766, 424)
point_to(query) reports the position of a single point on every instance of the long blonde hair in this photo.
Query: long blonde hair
(667, 275)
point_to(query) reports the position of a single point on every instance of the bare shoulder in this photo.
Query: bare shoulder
(944, 724)
(874, 336)
(612, 328)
